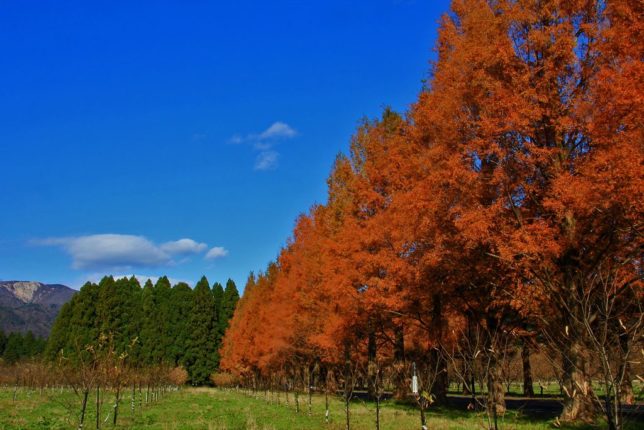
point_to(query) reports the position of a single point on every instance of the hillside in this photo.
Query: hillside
(31, 306)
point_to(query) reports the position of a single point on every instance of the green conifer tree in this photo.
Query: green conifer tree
(180, 310)
(163, 293)
(15, 348)
(83, 328)
(202, 355)
(218, 294)
(119, 311)
(148, 334)
(59, 335)
(228, 305)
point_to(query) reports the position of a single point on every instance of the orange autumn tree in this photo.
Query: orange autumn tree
(396, 294)
(513, 120)
(512, 187)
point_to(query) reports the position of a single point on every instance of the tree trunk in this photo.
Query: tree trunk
(371, 364)
(626, 395)
(437, 361)
(377, 412)
(98, 407)
(116, 405)
(348, 384)
(346, 411)
(495, 393)
(83, 408)
(528, 388)
(400, 387)
(578, 397)
(438, 365)
(423, 419)
(467, 376)
(297, 401)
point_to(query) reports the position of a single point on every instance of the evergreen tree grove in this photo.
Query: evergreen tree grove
(157, 324)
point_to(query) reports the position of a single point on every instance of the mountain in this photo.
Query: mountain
(26, 305)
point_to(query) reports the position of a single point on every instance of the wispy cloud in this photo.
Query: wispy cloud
(278, 130)
(183, 247)
(216, 252)
(266, 160)
(121, 251)
(264, 143)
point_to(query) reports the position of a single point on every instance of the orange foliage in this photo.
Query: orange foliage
(519, 168)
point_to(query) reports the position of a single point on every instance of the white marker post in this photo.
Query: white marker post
(414, 380)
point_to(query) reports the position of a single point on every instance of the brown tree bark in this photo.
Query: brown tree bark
(496, 392)
(578, 398)
(627, 396)
(400, 387)
(528, 385)
(372, 367)
(494, 374)
(438, 362)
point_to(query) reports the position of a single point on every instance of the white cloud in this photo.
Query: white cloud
(263, 143)
(266, 160)
(216, 252)
(183, 247)
(278, 130)
(121, 251)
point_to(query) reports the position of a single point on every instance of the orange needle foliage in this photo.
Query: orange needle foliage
(515, 178)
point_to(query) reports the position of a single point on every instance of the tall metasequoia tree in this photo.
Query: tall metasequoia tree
(238, 337)
(536, 144)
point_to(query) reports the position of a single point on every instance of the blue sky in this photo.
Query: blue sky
(184, 138)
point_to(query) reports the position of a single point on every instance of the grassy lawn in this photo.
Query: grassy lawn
(206, 408)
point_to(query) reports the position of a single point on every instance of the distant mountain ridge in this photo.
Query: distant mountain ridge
(31, 306)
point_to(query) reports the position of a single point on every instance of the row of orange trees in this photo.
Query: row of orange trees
(505, 207)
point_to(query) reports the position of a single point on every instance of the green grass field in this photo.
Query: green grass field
(205, 408)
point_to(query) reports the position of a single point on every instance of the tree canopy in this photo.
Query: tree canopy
(497, 204)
